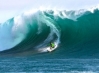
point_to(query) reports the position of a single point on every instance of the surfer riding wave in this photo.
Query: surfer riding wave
(51, 46)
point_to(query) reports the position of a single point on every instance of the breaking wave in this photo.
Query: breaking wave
(76, 33)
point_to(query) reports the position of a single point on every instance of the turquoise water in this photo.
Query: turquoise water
(76, 35)
(24, 40)
(24, 64)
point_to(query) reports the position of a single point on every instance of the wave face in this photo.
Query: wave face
(76, 33)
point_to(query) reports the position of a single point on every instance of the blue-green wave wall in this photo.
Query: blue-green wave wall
(75, 38)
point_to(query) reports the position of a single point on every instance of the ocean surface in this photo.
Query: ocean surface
(24, 41)
(30, 64)
(24, 64)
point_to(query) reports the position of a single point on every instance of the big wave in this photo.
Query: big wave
(74, 32)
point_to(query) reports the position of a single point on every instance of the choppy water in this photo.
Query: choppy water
(20, 64)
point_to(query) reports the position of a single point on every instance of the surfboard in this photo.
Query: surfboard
(49, 50)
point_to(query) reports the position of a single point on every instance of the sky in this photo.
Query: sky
(11, 8)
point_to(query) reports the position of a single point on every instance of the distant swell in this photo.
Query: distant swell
(76, 33)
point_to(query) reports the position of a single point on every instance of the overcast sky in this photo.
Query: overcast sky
(10, 8)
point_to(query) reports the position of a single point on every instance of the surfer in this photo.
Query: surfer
(52, 45)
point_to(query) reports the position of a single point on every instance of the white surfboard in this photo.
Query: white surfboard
(49, 50)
